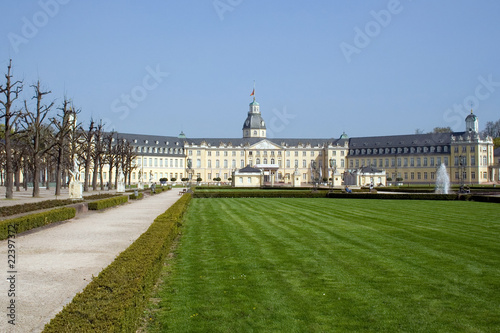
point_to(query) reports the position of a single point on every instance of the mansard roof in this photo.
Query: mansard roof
(242, 142)
(396, 141)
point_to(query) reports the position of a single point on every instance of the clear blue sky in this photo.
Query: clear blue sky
(316, 74)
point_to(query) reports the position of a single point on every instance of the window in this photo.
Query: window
(432, 162)
(217, 153)
(399, 161)
(209, 153)
(412, 175)
(161, 162)
(296, 153)
(433, 175)
(198, 153)
(150, 161)
(456, 149)
(342, 163)
(225, 152)
(425, 161)
(233, 164)
(425, 175)
(304, 153)
(446, 160)
(473, 175)
(257, 161)
(406, 162)
(217, 163)
(156, 162)
(406, 175)
(242, 163)
(418, 162)
(225, 164)
(209, 163)
(198, 163)
(304, 163)
(412, 162)
(419, 176)
(464, 149)
(190, 152)
(287, 163)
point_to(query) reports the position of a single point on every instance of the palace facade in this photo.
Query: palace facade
(468, 156)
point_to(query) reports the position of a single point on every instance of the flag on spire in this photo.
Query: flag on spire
(253, 92)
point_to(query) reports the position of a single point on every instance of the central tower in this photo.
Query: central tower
(254, 126)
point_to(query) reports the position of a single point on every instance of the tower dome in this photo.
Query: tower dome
(471, 123)
(254, 126)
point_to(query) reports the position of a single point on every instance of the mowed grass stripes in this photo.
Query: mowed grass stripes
(323, 265)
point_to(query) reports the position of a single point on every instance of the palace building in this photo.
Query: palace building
(414, 159)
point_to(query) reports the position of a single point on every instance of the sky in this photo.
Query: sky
(321, 68)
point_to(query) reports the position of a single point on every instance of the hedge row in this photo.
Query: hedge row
(400, 196)
(36, 220)
(110, 202)
(29, 207)
(482, 198)
(261, 194)
(139, 196)
(115, 300)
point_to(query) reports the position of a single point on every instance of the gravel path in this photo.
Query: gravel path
(56, 262)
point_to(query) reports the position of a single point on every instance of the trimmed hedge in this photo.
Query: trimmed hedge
(115, 300)
(36, 220)
(29, 207)
(110, 202)
(482, 198)
(401, 196)
(139, 196)
(261, 194)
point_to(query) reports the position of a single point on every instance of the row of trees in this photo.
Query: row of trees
(44, 148)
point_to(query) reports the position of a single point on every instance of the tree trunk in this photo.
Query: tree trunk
(95, 174)
(17, 177)
(110, 185)
(8, 164)
(36, 178)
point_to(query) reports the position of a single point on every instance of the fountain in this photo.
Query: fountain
(442, 180)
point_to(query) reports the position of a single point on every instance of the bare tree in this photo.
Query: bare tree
(109, 155)
(65, 125)
(97, 153)
(38, 133)
(492, 129)
(129, 156)
(87, 146)
(10, 91)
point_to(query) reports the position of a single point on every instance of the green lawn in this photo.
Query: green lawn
(325, 265)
